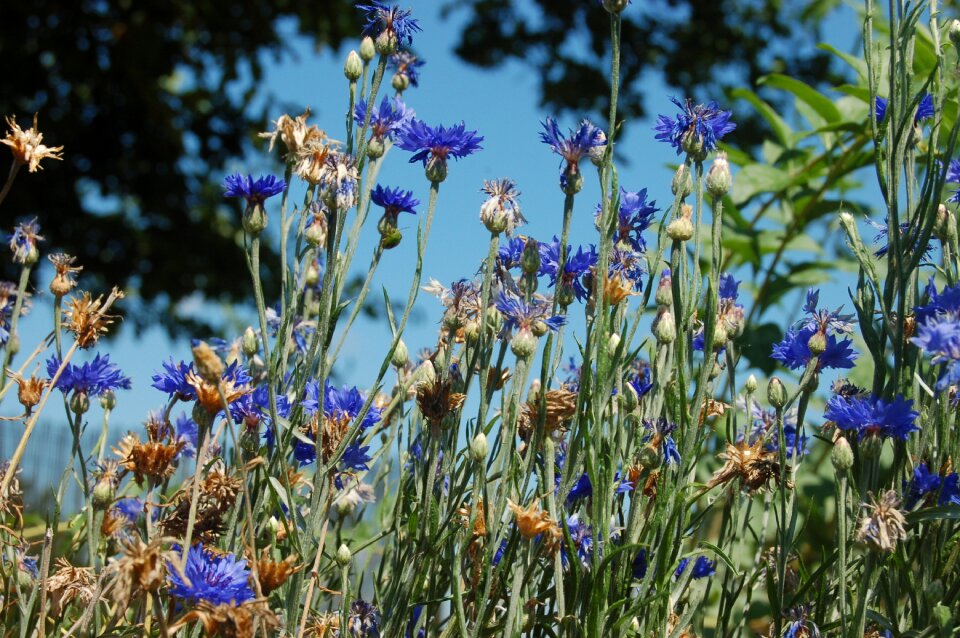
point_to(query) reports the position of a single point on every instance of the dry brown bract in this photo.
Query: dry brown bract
(561, 406)
(218, 493)
(882, 525)
(229, 621)
(153, 459)
(87, 318)
(752, 464)
(29, 390)
(70, 584)
(63, 281)
(27, 147)
(209, 396)
(533, 521)
(12, 502)
(140, 568)
(272, 575)
(323, 626)
(436, 400)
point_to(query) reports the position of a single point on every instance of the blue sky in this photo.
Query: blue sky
(502, 105)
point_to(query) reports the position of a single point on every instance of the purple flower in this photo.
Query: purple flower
(521, 315)
(255, 191)
(392, 22)
(873, 415)
(173, 380)
(385, 121)
(92, 378)
(364, 620)
(883, 232)
(406, 64)
(343, 402)
(728, 287)
(433, 146)
(702, 567)
(924, 483)
(129, 508)
(633, 217)
(508, 257)
(924, 108)
(216, 579)
(794, 352)
(583, 488)
(574, 147)
(395, 200)
(581, 535)
(577, 265)
(696, 129)
(23, 241)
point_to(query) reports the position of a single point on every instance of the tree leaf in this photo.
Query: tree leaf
(819, 102)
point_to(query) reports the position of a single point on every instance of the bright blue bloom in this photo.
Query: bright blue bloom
(394, 200)
(942, 305)
(173, 380)
(581, 535)
(873, 415)
(950, 490)
(92, 378)
(824, 319)
(346, 401)
(583, 488)
(702, 567)
(28, 564)
(574, 147)
(924, 109)
(255, 191)
(578, 265)
(508, 256)
(800, 625)
(729, 287)
(634, 216)
(407, 64)
(24, 239)
(641, 380)
(923, 484)
(628, 263)
(414, 619)
(521, 315)
(216, 579)
(385, 121)
(941, 340)
(883, 232)
(355, 457)
(660, 435)
(498, 555)
(701, 126)
(794, 352)
(186, 429)
(393, 21)
(437, 144)
(364, 620)
(129, 508)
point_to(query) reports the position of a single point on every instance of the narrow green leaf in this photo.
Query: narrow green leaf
(819, 102)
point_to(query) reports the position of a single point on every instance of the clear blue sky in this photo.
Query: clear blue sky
(502, 105)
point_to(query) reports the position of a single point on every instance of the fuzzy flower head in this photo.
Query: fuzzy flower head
(392, 28)
(92, 378)
(338, 181)
(27, 146)
(882, 523)
(406, 69)
(572, 148)
(216, 579)
(530, 320)
(501, 211)
(23, 243)
(872, 415)
(434, 145)
(696, 129)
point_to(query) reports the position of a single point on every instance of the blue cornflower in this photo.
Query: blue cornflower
(924, 483)
(23, 242)
(794, 350)
(728, 287)
(508, 256)
(581, 535)
(573, 148)
(355, 457)
(28, 564)
(941, 305)
(702, 567)
(950, 490)
(873, 415)
(953, 177)
(765, 426)
(941, 339)
(433, 146)
(578, 264)
(800, 624)
(633, 217)
(92, 378)
(521, 315)
(924, 108)
(883, 232)
(390, 27)
(498, 555)
(394, 201)
(129, 508)
(255, 191)
(641, 380)
(407, 65)
(385, 121)
(583, 488)
(627, 264)
(215, 579)
(187, 430)
(173, 380)
(343, 402)
(364, 620)
(696, 129)
(660, 436)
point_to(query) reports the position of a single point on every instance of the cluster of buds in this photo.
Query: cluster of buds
(664, 326)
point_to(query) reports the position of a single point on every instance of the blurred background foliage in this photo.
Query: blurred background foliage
(170, 104)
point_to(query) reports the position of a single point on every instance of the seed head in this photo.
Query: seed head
(27, 147)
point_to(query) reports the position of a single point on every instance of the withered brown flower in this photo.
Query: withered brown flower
(533, 521)
(323, 626)
(27, 145)
(69, 584)
(617, 288)
(63, 281)
(218, 494)
(272, 574)
(208, 394)
(153, 459)
(29, 390)
(436, 399)
(561, 406)
(141, 568)
(882, 523)
(12, 501)
(86, 319)
(752, 464)
(229, 621)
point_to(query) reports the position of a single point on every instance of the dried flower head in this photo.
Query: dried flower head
(23, 242)
(753, 464)
(272, 574)
(69, 584)
(882, 523)
(229, 621)
(617, 287)
(218, 494)
(153, 459)
(27, 147)
(323, 626)
(501, 211)
(63, 281)
(29, 390)
(312, 154)
(140, 568)
(86, 317)
(11, 502)
(436, 400)
(292, 131)
(233, 383)
(561, 406)
(533, 521)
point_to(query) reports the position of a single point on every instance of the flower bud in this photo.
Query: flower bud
(492, 319)
(316, 232)
(613, 343)
(945, 227)
(367, 49)
(108, 400)
(630, 398)
(715, 371)
(201, 416)
(426, 373)
(681, 229)
(664, 328)
(720, 335)
(842, 455)
(871, 446)
(79, 403)
(718, 177)
(400, 82)
(254, 220)
(571, 181)
(953, 32)
(400, 355)
(682, 184)
(692, 145)
(209, 365)
(817, 343)
(539, 328)
(751, 385)
(479, 448)
(344, 555)
(650, 457)
(934, 591)
(249, 343)
(530, 257)
(375, 147)
(523, 344)
(436, 170)
(386, 43)
(471, 331)
(615, 6)
(353, 67)
(664, 294)
(103, 493)
(776, 393)
(565, 295)
(596, 153)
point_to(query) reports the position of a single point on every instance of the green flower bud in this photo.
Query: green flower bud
(776, 393)
(254, 220)
(613, 343)
(492, 319)
(426, 373)
(479, 448)
(316, 232)
(344, 555)
(871, 446)
(718, 177)
(436, 170)
(572, 180)
(565, 295)
(681, 228)
(375, 147)
(400, 82)
(249, 342)
(751, 385)
(353, 67)
(103, 493)
(664, 294)
(400, 355)
(368, 50)
(108, 400)
(539, 328)
(615, 6)
(386, 43)
(664, 328)
(199, 414)
(692, 145)
(390, 235)
(630, 398)
(842, 455)
(311, 276)
(934, 591)
(530, 257)
(79, 403)
(817, 343)
(471, 331)
(523, 344)
(682, 184)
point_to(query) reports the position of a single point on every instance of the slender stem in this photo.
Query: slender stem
(12, 175)
(13, 337)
